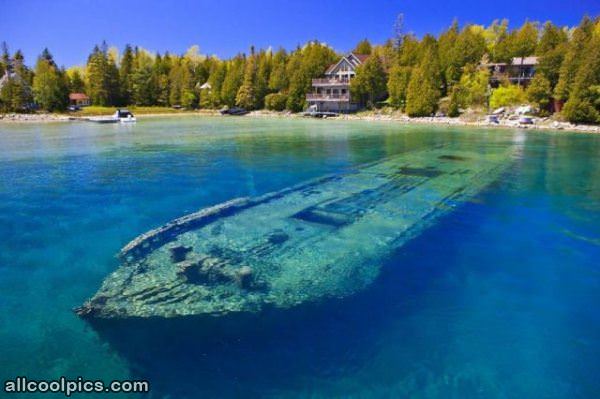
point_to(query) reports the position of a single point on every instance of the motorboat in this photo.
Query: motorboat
(124, 116)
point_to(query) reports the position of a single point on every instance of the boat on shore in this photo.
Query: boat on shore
(120, 116)
(326, 238)
(124, 116)
(235, 111)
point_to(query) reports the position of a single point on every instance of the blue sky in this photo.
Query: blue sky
(71, 28)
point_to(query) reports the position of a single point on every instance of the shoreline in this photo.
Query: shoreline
(375, 117)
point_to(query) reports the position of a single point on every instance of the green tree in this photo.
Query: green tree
(398, 84)
(473, 87)
(573, 59)
(509, 95)
(75, 80)
(494, 34)
(102, 77)
(457, 100)
(4, 59)
(125, 75)
(369, 84)
(450, 58)
(539, 92)
(584, 100)
(276, 101)
(263, 74)
(247, 96)
(216, 78)
(278, 79)
(551, 51)
(363, 47)
(233, 80)
(423, 90)
(50, 89)
(143, 78)
(16, 94)
(305, 64)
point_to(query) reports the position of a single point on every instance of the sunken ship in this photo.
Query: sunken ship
(325, 238)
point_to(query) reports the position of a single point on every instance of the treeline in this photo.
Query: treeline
(418, 76)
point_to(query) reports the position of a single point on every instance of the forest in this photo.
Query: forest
(419, 76)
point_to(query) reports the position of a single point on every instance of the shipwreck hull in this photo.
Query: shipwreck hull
(324, 238)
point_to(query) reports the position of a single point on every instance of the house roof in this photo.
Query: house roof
(78, 96)
(362, 57)
(351, 58)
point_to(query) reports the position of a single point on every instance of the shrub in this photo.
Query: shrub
(506, 96)
(580, 111)
(276, 101)
(539, 92)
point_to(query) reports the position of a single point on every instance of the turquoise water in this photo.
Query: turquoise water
(499, 299)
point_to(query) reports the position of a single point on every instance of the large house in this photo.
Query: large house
(519, 71)
(332, 93)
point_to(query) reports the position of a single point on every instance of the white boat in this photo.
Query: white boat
(124, 116)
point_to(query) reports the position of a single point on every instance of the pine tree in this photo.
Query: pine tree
(539, 92)
(369, 84)
(247, 96)
(16, 94)
(305, 64)
(363, 47)
(473, 87)
(278, 79)
(161, 69)
(263, 74)
(572, 60)
(450, 59)
(125, 76)
(423, 90)
(216, 78)
(76, 83)
(234, 77)
(584, 101)
(4, 59)
(49, 84)
(143, 78)
(398, 84)
(551, 51)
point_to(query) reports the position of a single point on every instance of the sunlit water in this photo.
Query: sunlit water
(499, 299)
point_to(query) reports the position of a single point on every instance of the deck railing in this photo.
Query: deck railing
(327, 97)
(332, 82)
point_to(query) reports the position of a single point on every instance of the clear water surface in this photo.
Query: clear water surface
(499, 299)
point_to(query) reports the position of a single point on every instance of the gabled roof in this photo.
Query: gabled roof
(361, 57)
(353, 59)
(78, 96)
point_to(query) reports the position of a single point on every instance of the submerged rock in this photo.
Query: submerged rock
(324, 238)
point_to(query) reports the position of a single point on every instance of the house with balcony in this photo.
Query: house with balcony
(519, 71)
(332, 92)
